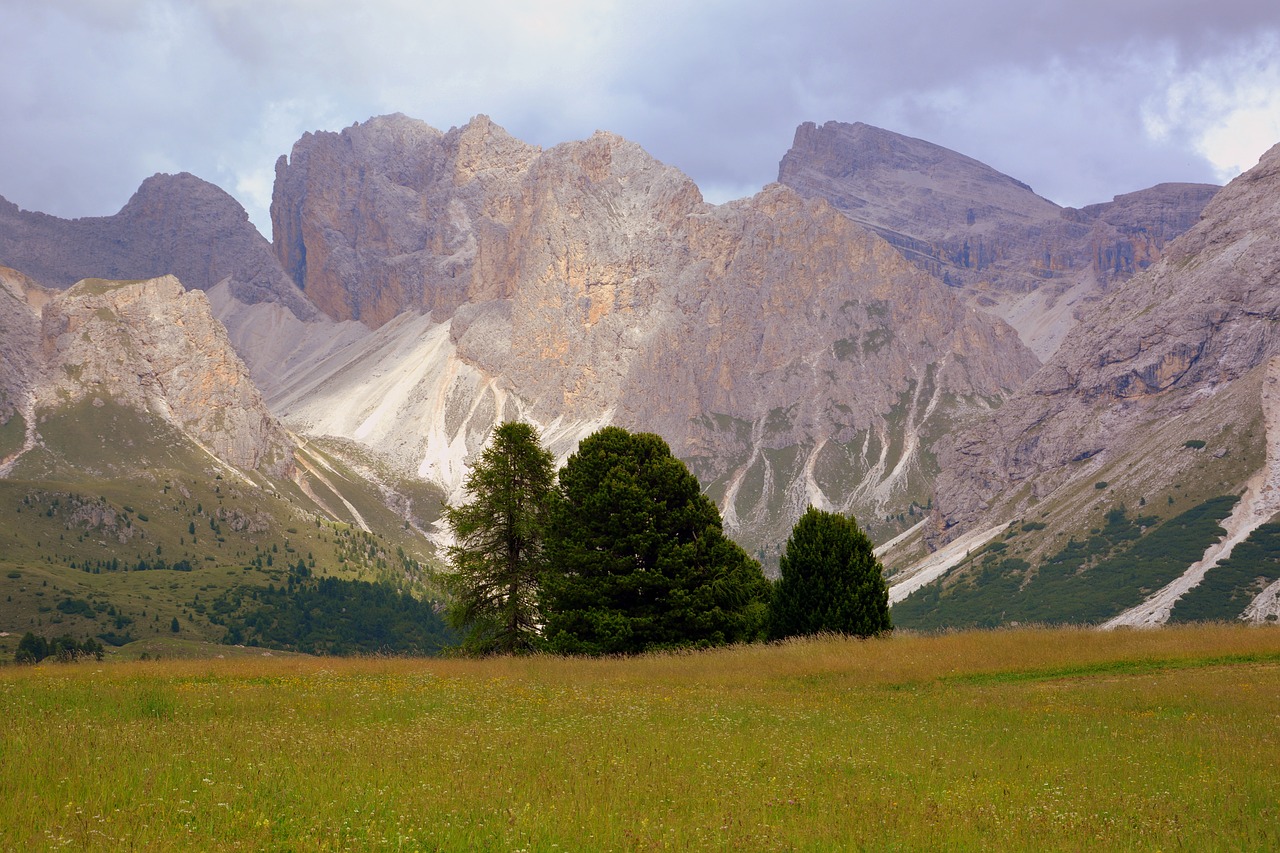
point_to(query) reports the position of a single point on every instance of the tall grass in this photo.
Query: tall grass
(1035, 740)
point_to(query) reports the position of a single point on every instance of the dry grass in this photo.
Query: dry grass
(1035, 740)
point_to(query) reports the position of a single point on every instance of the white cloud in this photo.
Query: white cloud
(1228, 106)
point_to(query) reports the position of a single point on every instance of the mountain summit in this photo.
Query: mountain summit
(1011, 252)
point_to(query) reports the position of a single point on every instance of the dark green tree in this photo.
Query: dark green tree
(497, 558)
(830, 581)
(638, 558)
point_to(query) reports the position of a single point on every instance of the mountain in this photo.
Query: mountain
(20, 302)
(827, 341)
(788, 354)
(1163, 402)
(138, 450)
(173, 225)
(1013, 253)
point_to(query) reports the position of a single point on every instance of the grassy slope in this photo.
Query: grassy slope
(1017, 740)
(1153, 474)
(113, 485)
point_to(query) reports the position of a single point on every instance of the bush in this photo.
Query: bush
(33, 649)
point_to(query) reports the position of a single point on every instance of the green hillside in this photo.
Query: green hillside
(120, 528)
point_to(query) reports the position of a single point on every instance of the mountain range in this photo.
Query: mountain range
(984, 379)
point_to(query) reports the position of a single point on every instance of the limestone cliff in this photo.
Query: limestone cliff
(153, 347)
(1011, 252)
(392, 214)
(788, 353)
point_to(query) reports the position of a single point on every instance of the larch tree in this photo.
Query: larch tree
(497, 557)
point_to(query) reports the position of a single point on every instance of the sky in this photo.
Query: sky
(1081, 99)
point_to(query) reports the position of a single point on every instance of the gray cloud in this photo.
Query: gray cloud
(1080, 99)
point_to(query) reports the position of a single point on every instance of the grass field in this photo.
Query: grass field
(1022, 740)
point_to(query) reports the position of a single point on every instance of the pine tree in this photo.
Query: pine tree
(830, 581)
(638, 558)
(497, 557)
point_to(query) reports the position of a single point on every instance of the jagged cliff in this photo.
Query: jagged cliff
(393, 214)
(1013, 253)
(789, 354)
(154, 348)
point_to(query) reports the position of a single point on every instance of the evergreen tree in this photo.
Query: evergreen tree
(498, 556)
(638, 558)
(830, 581)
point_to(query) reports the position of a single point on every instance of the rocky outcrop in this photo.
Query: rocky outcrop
(20, 303)
(1171, 346)
(174, 225)
(156, 348)
(1010, 251)
(392, 214)
(789, 354)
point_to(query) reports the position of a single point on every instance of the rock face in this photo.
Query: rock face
(1184, 343)
(1010, 251)
(392, 214)
(156, 348)
(20, 303)
(174, 225)
(789, 354)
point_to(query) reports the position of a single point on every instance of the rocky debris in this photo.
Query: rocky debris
(785, 351)
(173, 225)
(1173, 342)
(104, 518)
(240, 521)
(1010, 251)
(155, 347)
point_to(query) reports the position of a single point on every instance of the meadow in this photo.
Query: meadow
(1009, 740)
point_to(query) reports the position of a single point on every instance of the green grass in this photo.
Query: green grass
(112, 489)
(1015, 740)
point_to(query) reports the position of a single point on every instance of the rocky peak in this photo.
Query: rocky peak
(392, 215)
(1009, 251)
(174, 224)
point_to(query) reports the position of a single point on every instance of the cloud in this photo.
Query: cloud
(1081, 99)
(1227, 106)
